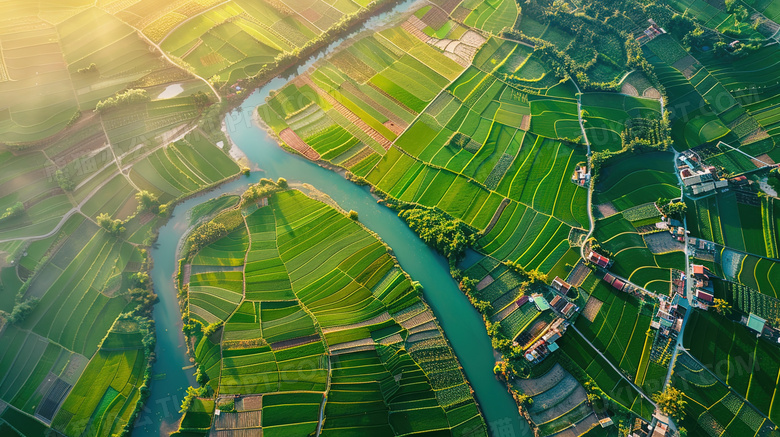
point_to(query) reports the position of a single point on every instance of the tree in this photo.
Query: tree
(201, 101)
(64, 180)
(671, 402)
(282, 183)
(147, 201)
(12, 211)
(211, 328)
(445, 235)
(192, 393)
(113, 227)
(671, 209)
(353, 214)
(21, 310)
(201, 377)
(121, 99)
(722, 307)
(483, 306)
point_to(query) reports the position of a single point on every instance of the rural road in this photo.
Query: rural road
(592, 221)
(638, 390)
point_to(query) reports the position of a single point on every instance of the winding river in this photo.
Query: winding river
(462, 324)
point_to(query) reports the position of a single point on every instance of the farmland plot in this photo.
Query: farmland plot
(322, 294)
(350, 109)
(619, 329)
(102, 402)
(236, 39)
(743, 353)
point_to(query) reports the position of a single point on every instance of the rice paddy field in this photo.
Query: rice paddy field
(619, 329)
(355, 103)
(624, 196)
(608, 115)
(713, 101)
(233, 40)
(48, 74)
(749, 81)
(712, 406)
(746, 224)
(584, 357)
(502, 288)
(746, 363)
(101, 403)
(760, 274)
(313, 308)
(66, 164)
(490, 16)
(700, 106)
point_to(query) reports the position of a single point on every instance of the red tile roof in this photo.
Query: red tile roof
(703, 295)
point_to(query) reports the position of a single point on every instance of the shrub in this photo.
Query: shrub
(121, 99)
(12, 211)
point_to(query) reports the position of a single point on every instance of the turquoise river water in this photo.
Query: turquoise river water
(462, 324)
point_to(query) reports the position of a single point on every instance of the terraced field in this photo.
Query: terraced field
(298, 285)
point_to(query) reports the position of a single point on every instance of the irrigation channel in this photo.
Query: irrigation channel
(462, 324)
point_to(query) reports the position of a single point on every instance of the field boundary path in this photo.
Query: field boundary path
(168, 58)
(751, 157)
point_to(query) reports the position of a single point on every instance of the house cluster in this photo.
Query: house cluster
(678, 283)
(701, 246)
(653, 31)
(235, 90)
(581, 176)
(702, 285)
(560, 303)
(698, 177)
(545, 343)
(668, 319)
(678, 233)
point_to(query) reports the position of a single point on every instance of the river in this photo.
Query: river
(462, 324)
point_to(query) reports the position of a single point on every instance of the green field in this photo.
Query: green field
(750, 364)
(103, 400)
(298, 285)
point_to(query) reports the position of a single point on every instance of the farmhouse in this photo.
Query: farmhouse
(700, 275)
(599, 260)
(546, 344)
(522, 301)
(756, 323)
(653, 31)
(708, 187)
(678, 233)
(563, 306)
(561, 286)
(581, 176)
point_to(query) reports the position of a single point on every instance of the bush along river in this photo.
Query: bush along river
(461, 323)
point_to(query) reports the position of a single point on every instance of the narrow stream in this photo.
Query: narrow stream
(462, 324)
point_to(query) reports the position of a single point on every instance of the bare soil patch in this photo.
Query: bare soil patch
(662, 242)
(592, 308)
